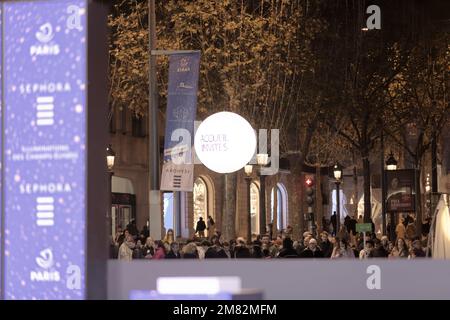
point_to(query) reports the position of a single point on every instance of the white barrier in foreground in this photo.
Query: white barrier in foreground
(296, 279)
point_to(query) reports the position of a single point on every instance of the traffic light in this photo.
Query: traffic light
(310, 201)
(310, 196)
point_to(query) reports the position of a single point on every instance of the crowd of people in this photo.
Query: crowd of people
(131, 244)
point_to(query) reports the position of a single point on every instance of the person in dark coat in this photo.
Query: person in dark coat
(352, 226)
(325, 245)
(216, 250)
(378, 251)
(131, 227)
(408, 220)
(313, 251)
(347, 222)
(241, 252)
(137, 251)
(221, 253)
(417, 251)
(146, 232)
(426, 226)
(333, 221)
(288, 250)
(174, 252)
(325, 224)
(200, 228)
(257, 252)
(211, 253)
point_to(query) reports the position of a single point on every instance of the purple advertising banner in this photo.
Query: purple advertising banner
(44, 149)
(1, 142)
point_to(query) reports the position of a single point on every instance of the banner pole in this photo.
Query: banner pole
(155, 218)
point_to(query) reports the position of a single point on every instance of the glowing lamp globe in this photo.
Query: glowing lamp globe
(225, 142)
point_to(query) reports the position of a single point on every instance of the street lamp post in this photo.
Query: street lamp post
(383, 186)
(337, 171)
(110, 158)
(248, 178)
(391, 165)
(262, 160)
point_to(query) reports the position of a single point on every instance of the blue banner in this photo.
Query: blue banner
(45, 83)
(177, 172)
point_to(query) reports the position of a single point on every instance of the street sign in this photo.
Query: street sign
(363, 227)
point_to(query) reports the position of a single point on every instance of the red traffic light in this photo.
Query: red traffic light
(309, 182)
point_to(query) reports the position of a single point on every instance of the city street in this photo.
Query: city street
(224, 150)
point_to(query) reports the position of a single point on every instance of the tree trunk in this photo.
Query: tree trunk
(301, 213)
(319, 206)
(367, 200)
(297, 188)
(229, 206)
(418, 199)
(355, 189)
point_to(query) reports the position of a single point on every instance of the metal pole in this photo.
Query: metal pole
(383, 186)
(169, 52)
(109, 212)
(249, 213)
(338, 208)
(262, 204)
(364, 240)
(153, 103)
(393, 225)
(434, 175)
(154, 195)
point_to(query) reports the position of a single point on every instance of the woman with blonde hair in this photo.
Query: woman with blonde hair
(169, 238)
(190, 251)
(149, 248)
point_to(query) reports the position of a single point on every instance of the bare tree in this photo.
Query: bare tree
(423, 103)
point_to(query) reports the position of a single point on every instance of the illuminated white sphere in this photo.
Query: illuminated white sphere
(225, 142)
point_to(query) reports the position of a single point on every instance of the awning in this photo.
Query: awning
(122, 185)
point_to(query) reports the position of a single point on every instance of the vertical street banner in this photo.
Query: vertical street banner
(178, 167)
(44, 149)
(400, 190)
(1, 158)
